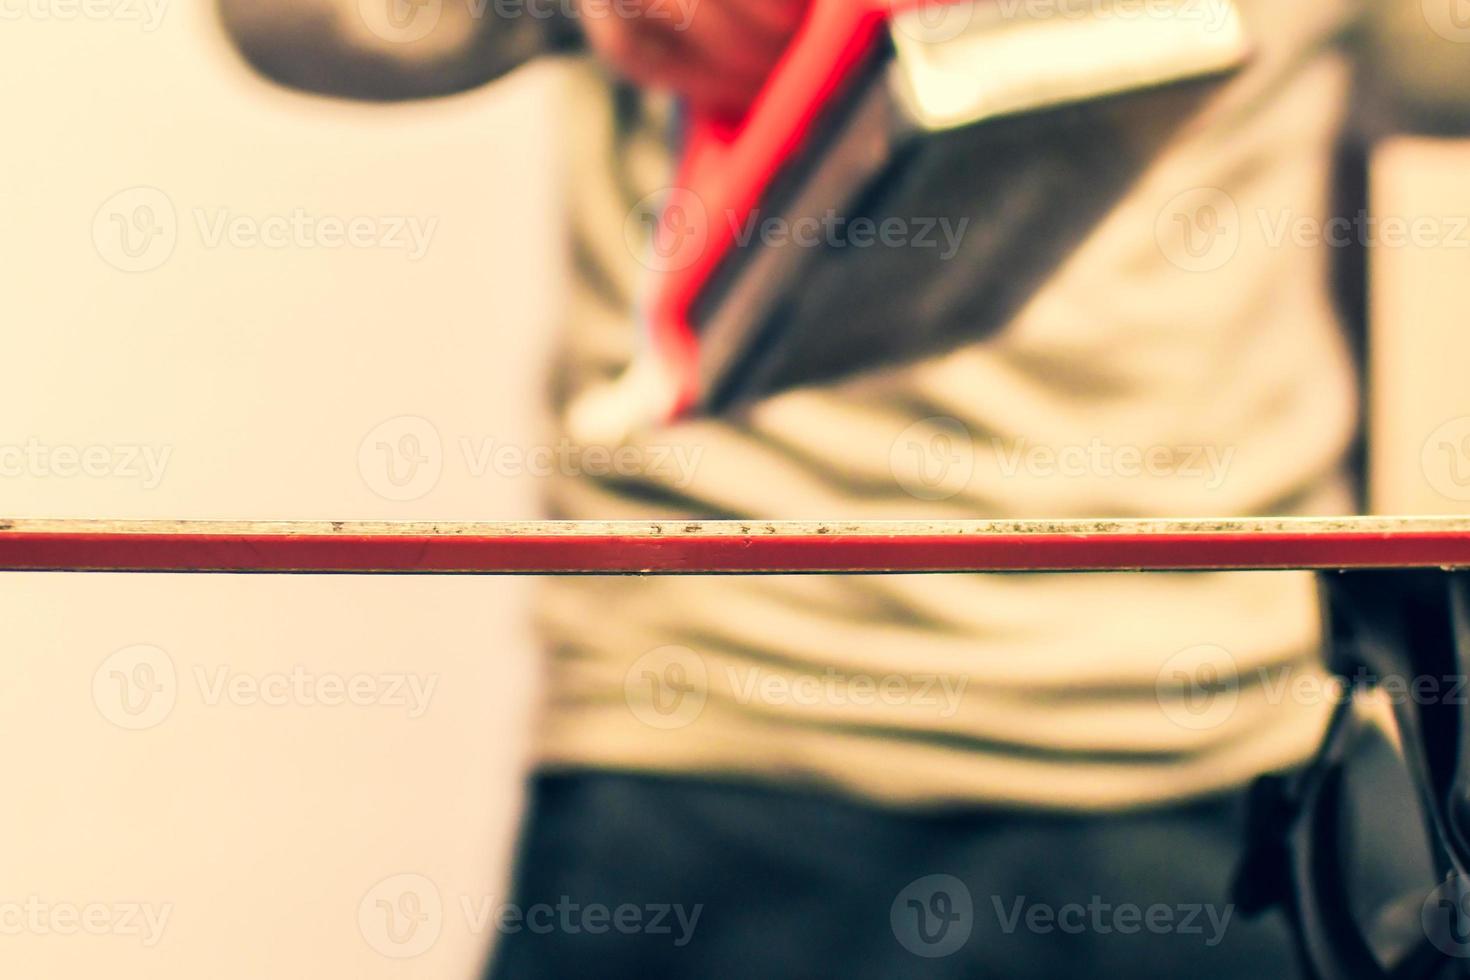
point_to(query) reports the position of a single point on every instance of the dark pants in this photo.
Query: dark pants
(645, 877)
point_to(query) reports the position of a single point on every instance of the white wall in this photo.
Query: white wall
(254, 376)
(1420, 261)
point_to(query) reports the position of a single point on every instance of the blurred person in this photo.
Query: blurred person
(719, 771)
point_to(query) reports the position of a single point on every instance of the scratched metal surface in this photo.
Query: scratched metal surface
(734, 547)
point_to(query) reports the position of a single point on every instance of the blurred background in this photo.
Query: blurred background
(211, 772)
(244, 766)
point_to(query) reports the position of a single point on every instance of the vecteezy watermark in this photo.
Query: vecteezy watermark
(485, 456)
(1209, 465)
(937, 693)
(147, 14)
(408, 21)
(1202, 229)
(1198, 688)
(138, 687)
(670, 229)
(933, 459)
(667, 687)
(1446, 459)
(36, 460)
(934, 21)
(832, 230)
(1213, 14)
(302, 688)
(1199, 230)
(401, 916)
(401, 21)
(404, 915)
(37, 916)
(570, 917)
(403, 459)
(1450, 19)
(138, 230)
(937, 459)
(1297, 685)
(1285, 227)
(1100, 917)
(933, 916)
(300, 229)
(1445, 917)
(667, 230)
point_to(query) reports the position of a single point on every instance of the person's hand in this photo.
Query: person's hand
(716, 54)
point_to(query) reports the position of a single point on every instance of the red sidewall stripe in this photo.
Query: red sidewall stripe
(725, 554)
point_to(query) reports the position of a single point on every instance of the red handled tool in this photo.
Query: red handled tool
(867, 83)
(727, 167)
